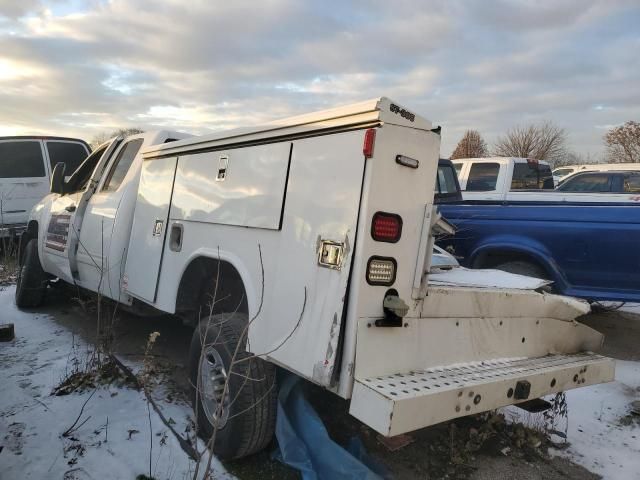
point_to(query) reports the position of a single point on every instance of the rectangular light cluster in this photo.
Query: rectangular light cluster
(381, 271)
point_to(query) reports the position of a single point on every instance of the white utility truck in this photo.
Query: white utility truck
(306, 244)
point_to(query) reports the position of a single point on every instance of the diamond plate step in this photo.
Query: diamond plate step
(403, 402)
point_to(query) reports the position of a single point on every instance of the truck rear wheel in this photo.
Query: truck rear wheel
(32, 280)
(244, 411)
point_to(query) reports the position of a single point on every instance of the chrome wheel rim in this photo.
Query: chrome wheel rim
(213, 377)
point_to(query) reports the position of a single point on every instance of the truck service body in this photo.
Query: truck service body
(315, 233)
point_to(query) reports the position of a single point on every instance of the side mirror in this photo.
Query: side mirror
(57, 178)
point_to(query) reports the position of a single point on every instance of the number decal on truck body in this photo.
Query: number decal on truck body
(402, 112)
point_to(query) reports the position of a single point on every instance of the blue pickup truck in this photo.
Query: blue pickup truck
(590, 249)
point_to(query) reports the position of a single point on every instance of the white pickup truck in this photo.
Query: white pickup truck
(512, 179)
(306, 244)
(26, 165)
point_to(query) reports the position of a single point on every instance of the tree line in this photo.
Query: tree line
(548, 142)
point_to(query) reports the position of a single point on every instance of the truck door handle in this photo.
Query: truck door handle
(175, 237)
(70, 208)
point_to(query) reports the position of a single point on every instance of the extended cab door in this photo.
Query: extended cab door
(105, 227)
(64, 220)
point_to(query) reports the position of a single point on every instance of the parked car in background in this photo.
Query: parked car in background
(500, 177)
(560, 174)
(585, 241)
(603, 182)
(26, 164)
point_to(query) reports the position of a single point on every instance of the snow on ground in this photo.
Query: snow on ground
(631, 308)
(599, 438)
(600, 442)
(114, 441)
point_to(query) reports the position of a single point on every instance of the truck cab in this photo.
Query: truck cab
(84, 227)
(498, 178)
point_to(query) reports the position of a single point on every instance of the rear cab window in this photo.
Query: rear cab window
(483, 177)
(72, 154)
(21, 159)
(531, 175)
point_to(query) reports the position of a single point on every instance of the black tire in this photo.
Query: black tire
(32, 280)
(522, 267)
(252, 389)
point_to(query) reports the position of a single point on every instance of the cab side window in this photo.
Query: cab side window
(587, 183)
(632, 183)
(121, 165)
(483, 177)
(20, 159)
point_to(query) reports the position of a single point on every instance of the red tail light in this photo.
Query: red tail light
(386, 227)
(369, 142)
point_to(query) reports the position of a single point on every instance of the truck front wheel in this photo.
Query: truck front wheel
(234, 392)
(32, 280)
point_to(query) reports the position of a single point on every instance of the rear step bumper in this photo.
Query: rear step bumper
(403, 402)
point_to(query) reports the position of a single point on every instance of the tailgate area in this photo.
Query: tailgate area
(406, 401)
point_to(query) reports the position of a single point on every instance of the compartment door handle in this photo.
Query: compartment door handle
(175, 237)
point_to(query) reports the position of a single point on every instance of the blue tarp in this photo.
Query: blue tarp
(304, 443)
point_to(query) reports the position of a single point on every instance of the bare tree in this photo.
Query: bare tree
(471, 145)
(623, 143)
(542, 142)
(102, 137)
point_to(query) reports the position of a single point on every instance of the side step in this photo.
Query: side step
(403, 402)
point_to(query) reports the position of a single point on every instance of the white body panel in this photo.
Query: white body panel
(149, 229)
(312, 211)
(249, 193)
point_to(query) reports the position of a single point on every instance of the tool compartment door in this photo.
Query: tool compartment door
(149, 228)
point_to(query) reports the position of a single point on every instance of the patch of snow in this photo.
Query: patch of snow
(631, 308)
(114, 441)
(488, 278)
(597, 439)
(599, 442)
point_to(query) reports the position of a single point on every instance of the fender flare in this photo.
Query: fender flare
(253, 302)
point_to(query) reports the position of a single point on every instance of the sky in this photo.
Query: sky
(84, 67)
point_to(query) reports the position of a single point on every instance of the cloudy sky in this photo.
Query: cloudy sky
(82, 67)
